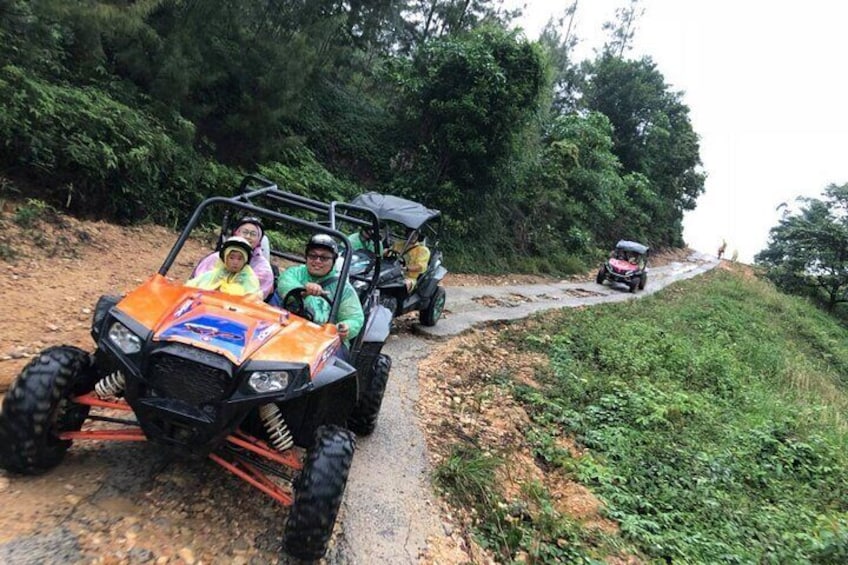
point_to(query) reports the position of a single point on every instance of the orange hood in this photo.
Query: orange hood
(228, 325)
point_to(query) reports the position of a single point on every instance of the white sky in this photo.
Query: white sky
(767, 89)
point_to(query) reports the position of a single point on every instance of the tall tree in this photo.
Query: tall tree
(466, 98)
(652, 136)
(807, 251)
(559, 45)
(424, 20)
(623, 29)
(579, 193)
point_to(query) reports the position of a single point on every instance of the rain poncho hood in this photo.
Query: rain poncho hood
(243, 283)
(260, 265)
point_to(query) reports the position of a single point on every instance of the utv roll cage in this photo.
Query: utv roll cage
(408, 213)
(262, 198)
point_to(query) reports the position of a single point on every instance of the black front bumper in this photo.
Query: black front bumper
(189, 400)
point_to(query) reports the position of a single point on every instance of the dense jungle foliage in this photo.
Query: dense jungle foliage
(134, 111)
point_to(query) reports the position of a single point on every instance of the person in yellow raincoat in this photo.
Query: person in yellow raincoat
(415, 255)
(232, 273)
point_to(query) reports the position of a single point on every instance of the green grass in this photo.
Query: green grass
(468, 476)
(714, 414)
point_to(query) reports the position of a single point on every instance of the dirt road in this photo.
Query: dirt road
(128, 503)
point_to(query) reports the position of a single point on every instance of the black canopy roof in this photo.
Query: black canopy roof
(625, 245)
(396, 209)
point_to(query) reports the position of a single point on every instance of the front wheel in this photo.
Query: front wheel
(431, 314)
(38, 407)
(601, 275)
(318, 493)
(364, 418)
(643, 280)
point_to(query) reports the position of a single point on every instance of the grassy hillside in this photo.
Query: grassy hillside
(709, 420)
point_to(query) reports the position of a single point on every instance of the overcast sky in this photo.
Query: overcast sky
(767, 89)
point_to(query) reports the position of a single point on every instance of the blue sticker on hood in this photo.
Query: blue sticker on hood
(212, 331)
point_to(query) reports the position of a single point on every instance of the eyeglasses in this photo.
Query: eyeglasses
(316, 257)
(248, 233)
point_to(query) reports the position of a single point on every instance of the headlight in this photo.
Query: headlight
(126, 341)
(269, 381)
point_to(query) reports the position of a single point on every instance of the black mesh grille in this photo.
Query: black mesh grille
(187, 380)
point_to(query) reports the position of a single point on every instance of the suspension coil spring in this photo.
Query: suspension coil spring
(110, 385)
(275, 425)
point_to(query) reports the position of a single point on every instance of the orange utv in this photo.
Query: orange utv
(264, 392)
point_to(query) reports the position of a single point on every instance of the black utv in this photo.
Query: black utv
(404, 224)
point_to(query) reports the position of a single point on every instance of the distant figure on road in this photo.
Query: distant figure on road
(721, 248)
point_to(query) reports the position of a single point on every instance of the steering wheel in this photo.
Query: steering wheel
(393, 255)
(295, 302)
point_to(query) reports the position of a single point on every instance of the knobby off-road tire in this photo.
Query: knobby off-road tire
(37, 408)
(601, 276)
(431, 314)
(643, 280)
(318, 493)
(364, 418)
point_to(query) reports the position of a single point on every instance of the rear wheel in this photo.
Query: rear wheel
(364, 418)
(318, 493)
(37, 408)
(601, 275)
(431, 314)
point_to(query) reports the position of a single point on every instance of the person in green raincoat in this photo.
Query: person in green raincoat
(367, 240)
(319, 277)
(232, 273)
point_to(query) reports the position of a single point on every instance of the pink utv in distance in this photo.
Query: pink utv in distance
(628, 264)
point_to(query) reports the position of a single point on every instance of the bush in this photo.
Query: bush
(110, 160)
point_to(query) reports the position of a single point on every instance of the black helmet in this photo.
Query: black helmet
(240, 244)
(323, 240)
(250, 220)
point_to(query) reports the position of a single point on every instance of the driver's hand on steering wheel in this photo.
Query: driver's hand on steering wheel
(314, 289)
